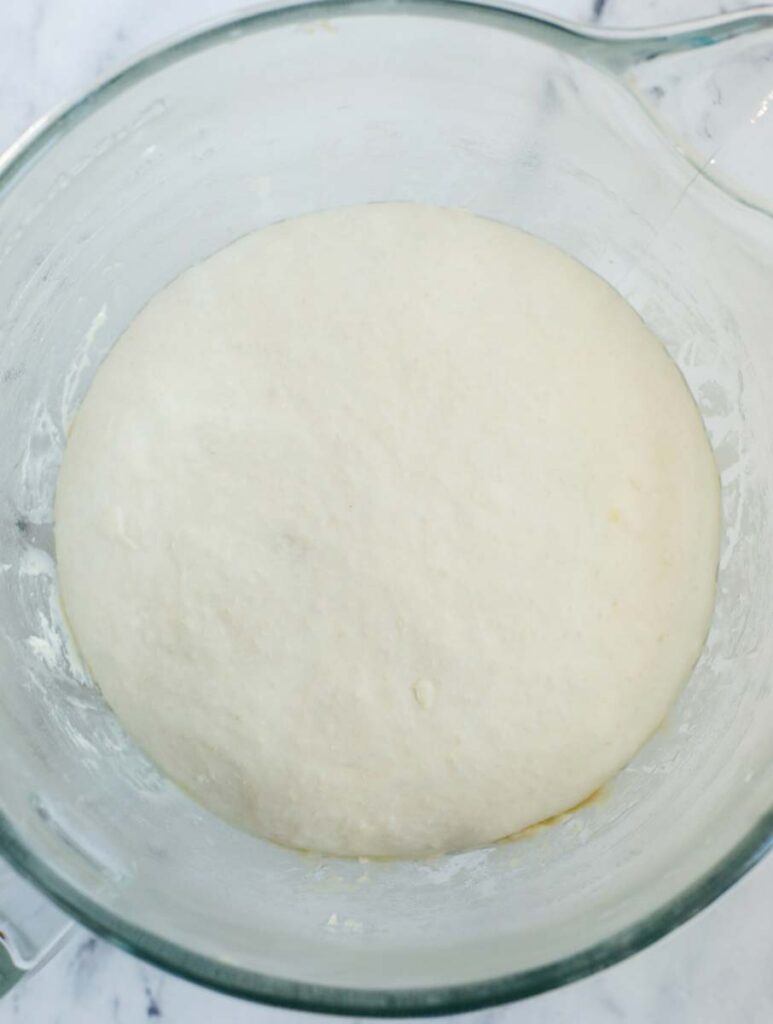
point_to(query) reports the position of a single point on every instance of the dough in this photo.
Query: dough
(388, 530)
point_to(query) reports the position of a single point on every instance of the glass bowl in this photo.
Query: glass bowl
(570, 134)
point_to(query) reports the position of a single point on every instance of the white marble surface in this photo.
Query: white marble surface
(716, 969)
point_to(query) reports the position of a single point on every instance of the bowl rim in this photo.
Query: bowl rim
(407, 1002)
(276, 991)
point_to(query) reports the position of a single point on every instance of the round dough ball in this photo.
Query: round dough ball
(388, 530)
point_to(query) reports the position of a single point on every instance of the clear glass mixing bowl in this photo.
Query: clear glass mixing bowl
(569, 135)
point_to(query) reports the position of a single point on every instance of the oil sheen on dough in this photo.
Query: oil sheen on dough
(388, 530)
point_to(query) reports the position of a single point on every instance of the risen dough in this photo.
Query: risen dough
(388, 530)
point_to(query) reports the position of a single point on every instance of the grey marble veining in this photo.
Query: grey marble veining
(716, 969)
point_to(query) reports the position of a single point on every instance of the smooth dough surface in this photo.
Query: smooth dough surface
(388, 530)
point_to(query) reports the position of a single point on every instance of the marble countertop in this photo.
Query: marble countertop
(715, 969)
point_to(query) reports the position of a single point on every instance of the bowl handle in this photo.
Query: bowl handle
(32, 928)
(709, 87)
